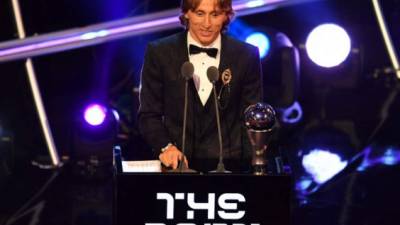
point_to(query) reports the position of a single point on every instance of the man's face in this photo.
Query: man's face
(206, 21)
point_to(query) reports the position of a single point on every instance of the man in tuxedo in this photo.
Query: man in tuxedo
(160, 113)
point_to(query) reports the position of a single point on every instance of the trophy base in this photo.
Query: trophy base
(259, 170)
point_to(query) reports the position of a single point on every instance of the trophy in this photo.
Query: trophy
(259, 120)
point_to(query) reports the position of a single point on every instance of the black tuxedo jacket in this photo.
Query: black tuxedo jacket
(160, 114)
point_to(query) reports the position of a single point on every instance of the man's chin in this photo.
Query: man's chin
(207, 41)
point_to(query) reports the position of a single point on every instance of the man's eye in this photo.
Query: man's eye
(199, 13)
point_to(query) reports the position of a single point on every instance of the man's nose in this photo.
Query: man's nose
(207, 21)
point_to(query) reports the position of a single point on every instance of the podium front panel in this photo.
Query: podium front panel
(186, 199)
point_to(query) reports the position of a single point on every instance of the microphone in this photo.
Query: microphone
(213, 76)
(187, 70)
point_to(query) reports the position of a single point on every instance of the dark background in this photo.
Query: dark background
(346, 99)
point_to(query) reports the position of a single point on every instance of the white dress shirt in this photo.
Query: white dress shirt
(201, 63)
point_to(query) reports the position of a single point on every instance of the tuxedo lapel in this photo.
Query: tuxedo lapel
(182, 54)
(226, 57)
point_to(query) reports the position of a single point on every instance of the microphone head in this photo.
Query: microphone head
(212, 74)
(187, 70)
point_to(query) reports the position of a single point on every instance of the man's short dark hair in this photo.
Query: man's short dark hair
(224, 5)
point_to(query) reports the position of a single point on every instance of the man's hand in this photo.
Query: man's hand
(171, 157)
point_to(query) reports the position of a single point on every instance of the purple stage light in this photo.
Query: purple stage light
(323, 164)
(116, 115)
(292, 114)
(380, 155)
(95, 114)
(391, 157)
(328, 45)
(261, 41)
(303, 184)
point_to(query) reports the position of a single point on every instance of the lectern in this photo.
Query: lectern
(200, 199)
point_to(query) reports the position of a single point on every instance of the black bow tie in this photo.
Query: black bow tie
(212, 52)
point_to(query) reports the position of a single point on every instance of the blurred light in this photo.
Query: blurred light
(95, 34)
(95, 114)
(255, 3)
(388, 156)
(391, 157)
(303, 183)
(322, 164)
(261, 41)
(328, 45)
(292, 114)
(239, 29)
(116, 115)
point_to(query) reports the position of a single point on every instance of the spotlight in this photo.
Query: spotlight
(258, 37)
(93, 141)
(260, 40)
(323, 164)
(328, 45)
(323, 151)
(95, 114)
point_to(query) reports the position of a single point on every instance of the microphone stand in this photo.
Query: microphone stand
(182, 168)
(220, 167)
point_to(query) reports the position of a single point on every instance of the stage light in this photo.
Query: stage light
(258, 37)
(391, 157)
(94, 34)
(116, 115)
(380, 155)
(95, 114)
(323, 164)
(292, 114)
(94, 136)
(261, 41)
(328, 45)
(303, 184)
(255, 3)
(320, 152)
